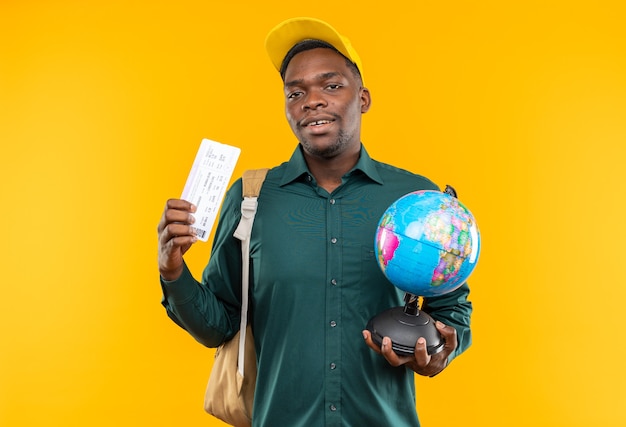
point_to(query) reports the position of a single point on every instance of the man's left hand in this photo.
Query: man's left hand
(421, 362)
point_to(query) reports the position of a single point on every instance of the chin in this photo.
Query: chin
(326, 146)
(327, 150)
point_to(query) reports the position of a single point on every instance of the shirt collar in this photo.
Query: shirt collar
(296, 167)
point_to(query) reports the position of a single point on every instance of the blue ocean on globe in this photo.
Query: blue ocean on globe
(427, 243)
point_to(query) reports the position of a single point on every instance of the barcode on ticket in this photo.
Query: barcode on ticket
(200, 233)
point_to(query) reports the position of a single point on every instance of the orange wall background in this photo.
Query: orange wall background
(520, 105)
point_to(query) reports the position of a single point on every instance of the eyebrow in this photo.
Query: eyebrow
(320, 77)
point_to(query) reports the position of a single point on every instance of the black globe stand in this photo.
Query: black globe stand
(404, 325)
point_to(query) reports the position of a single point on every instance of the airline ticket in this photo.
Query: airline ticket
(207, 183)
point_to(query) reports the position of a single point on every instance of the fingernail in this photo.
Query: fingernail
(364, 335)
(421, 341)
(192, 208)
(386, 342)
(439, 324)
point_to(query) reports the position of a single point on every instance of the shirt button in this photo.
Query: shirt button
(333, 366)
(333, 323)
(309, 178)
(333, 282)
(332, 201)
(332, 407)
(333, 240)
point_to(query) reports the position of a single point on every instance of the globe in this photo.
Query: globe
(427, 243)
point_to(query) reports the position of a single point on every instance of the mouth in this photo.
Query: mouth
(317, 122)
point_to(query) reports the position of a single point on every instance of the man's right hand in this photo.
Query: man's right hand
(175, 237)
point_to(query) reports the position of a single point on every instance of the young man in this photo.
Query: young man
(314, 279)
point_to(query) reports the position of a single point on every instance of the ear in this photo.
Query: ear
(366, 100)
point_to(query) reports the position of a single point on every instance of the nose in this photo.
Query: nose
(313, 101)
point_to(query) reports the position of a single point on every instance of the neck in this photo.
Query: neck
(328, 172)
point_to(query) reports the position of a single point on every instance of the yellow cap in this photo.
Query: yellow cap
(292, 31)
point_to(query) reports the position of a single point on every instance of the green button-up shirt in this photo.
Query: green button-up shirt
(314, 285)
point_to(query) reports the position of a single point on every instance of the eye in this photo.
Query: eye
(333, 86)
(294, 95)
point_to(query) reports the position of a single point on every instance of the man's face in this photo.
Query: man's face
(324, 101)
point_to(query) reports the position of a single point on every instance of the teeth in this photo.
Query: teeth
(319, 122)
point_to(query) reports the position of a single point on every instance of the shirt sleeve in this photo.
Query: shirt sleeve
(210, 310)
(453, 309)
